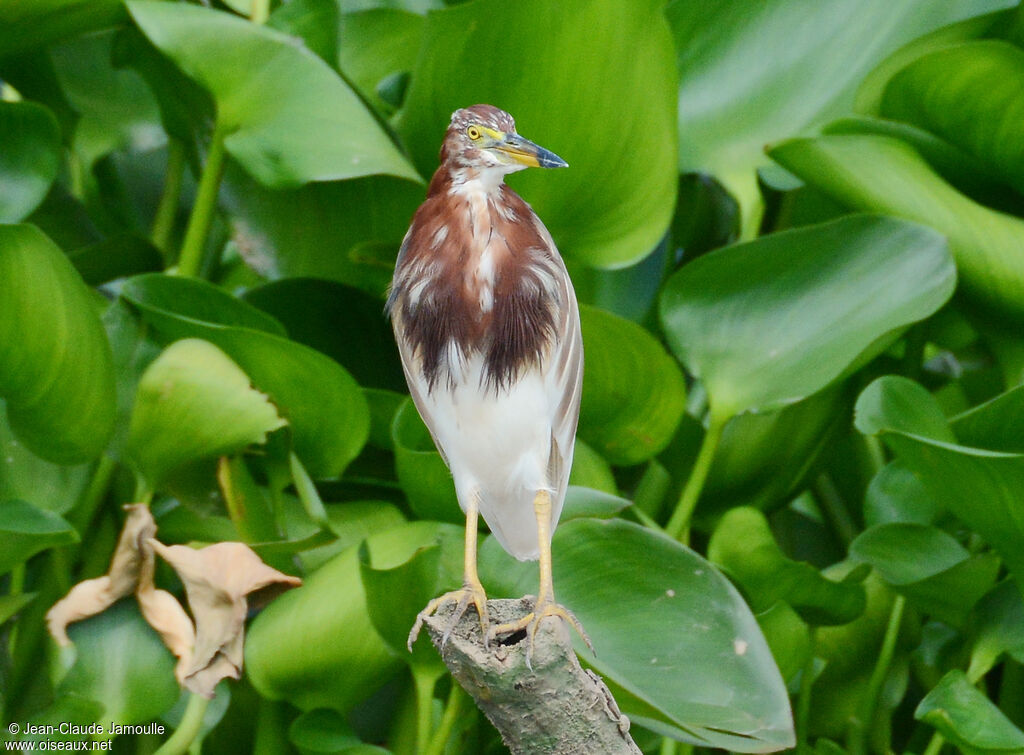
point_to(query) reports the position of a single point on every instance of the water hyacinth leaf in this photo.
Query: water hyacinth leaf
(316, 646)
(627, 584)
(27, 530)
(56, 371)
(30, 158)
(193, 403)
(965, 94)
(731, 104)
(998, 628)
(375, 44)
(896, 494)
(996, 424)
(290, 119)
(115, 257)
(338, 320)
(937, 574)
(600, 59)
(591, 470)
(880, 174)
(769, 322)
(35, 24)
(582, 502)
(53, 487)
(284, 233)
(968, 719)
(633, 391)
(789, 638)
(323, 405)
(421, 471)
(899, 404)
(744, 547)
(979, 487)
(121, 662)
(322, 730)
(10, 605)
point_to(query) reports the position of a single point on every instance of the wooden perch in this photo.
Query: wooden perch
(558, 707)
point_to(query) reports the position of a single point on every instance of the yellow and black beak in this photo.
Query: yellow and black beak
(524, 151)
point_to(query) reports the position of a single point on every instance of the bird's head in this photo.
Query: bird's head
(484, 138)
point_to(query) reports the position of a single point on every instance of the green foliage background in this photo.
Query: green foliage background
(796, 229)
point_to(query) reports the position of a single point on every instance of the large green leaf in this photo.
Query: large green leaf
(633, 391)
(744, 547)
(290, 119)
(751, 74)
(316, 645)
(967, 95)
(30, 157)
(56, 372)
(980, 487)
(967, 718)
(594, 81)
(26, 530)
(36, 23)
(324, 406)
(998, 628)
(121, 663)
(996, 424)
(374, 45)
(657, 614)
(421, 471)
(881, 174)
(772, 321)
(194, 403)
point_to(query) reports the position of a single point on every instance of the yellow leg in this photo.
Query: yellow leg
(472, 590)
(545, 605)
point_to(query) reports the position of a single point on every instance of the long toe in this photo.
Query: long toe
(469, 595)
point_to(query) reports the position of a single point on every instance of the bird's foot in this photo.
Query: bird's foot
(470, 593)
(531, 622)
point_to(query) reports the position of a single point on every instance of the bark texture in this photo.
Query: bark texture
(557, 707)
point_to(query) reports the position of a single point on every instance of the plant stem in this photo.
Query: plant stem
(182, 738)
(934, 744)
(424, 682)
(803, 702)
(678, 526)
(834, 508)
(163, 223)
(192, 261)
(856, 739)
(259, 11)
(452, 711)
(94, 494)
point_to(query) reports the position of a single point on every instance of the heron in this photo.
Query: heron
(488, 329)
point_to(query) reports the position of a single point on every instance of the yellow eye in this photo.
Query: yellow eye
(473, 133)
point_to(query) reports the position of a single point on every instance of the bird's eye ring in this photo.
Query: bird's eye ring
(473, 133)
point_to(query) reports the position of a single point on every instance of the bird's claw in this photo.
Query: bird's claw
(531, 622)
(469, 593)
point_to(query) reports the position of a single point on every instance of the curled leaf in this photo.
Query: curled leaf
(218, 580)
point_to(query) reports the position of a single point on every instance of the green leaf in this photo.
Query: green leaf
(590, 470)
(880, 174)
(998, 628)
(322, 730)
(30, 158)
(633, 391)
(316, 646)
(582, 502)
(788, 637)
(583, 65)
(979, 487)
(10, 605)
(290, 119)
(375, 44)
(996, 424)
(626, 584)
(772, 321)
(899, 404)
(732, 102)
(27, 530)
(56, 372)
(896, 494)
(966, 94)
(421, 471)
(121, 662)
(194, 403)
(744, 547)
(118, 256)
(340, 321)
(323, 405)
(968, 719)
(939, 576)
(28, 25)
(362, 222)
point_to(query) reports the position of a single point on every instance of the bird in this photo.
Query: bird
(488, 329)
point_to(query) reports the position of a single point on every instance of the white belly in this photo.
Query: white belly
(498, 446)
